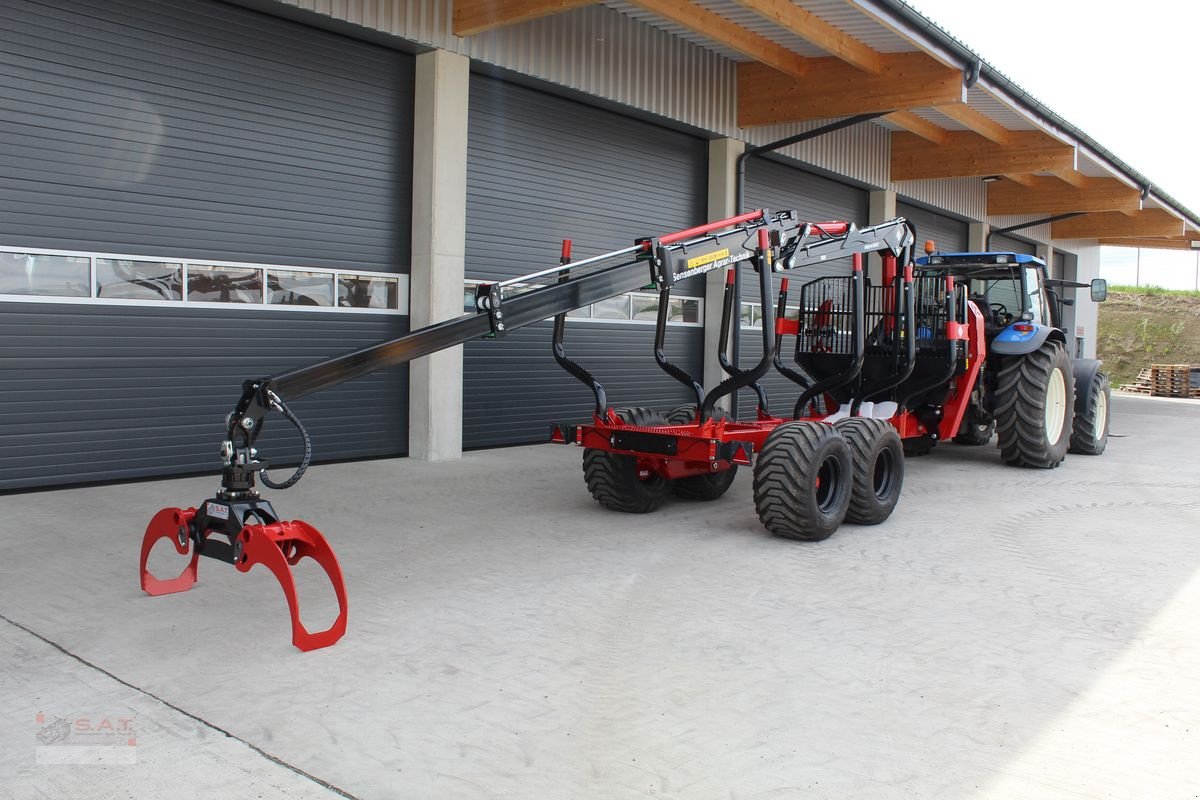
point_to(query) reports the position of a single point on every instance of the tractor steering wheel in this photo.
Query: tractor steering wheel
(1000, 313)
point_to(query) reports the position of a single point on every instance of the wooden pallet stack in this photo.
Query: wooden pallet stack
(1141, 385)
(1164, 380)
(1170, 380)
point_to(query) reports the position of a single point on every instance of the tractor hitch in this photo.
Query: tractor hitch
(245, 533)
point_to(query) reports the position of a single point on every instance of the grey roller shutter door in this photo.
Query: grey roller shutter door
(542, 169)
(948, 234)
(1011, 244)
(776, 186)
(191, 129)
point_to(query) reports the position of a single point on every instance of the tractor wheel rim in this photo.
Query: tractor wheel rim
(1056, 406)
(885, 473)
(829, 478)
(1101, 414)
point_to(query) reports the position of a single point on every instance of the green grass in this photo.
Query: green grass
(1152, 291)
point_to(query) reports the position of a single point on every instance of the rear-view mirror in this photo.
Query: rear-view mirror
(1099, 290)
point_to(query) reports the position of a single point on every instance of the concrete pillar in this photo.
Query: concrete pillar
(722, 190)
(439, 222)
(1046, 253)
(881, 207)
(977, 234)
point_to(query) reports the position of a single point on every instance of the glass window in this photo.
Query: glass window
(126, 279)
(684, 309)
(582, 313)
(645, 307)
(224, 284)
(296, 288)
(364, 291)
(751, 318)
(613, 308)
(57, 276)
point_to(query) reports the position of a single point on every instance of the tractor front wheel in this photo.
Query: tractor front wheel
(877, 459)
(803, 479)
(615, 481)
(1089, 434)
(1034, 402)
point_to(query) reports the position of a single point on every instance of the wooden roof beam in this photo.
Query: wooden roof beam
(918, 125)
(1046, 195)
(477, 16)
(1115, 225)
(833, 88)
(966, 154)
(1027, 181)
(730, 34)
(808, 26)
(1157, 244)
(985, 126)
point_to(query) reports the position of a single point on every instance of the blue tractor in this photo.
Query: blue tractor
(1030, 391)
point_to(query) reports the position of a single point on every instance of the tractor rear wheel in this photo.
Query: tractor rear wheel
(615, 481)
(803, 480)
(877, 460)
(1034, 401)
(1089, 433)
(700, 487)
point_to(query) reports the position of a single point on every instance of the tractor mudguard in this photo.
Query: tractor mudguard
(1085, 371)
(1012, 342)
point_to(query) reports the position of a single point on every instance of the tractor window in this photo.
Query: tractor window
(1037, 300)
(1004, 292)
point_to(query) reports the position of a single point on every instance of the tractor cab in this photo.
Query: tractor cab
(1008, 289)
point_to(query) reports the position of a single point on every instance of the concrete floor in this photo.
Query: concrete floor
(1007, 634)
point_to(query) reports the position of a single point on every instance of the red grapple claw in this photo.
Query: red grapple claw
(280, 545)
(170, 523)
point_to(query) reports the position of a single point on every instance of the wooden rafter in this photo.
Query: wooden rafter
(1022, 180)
(918, 125)
(1115, 225)
(812, 28)
(966, 154)
(476, 16)
(1047, 195)
(833, 88)
(1073, 177)
(985, 126)
(730, 34)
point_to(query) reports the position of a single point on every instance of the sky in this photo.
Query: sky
(1124, 73)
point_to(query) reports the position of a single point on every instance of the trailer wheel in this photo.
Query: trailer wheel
(974, 434)
(613, 479)
(1089, 433)
(802, 481)
(700, 487)
(1034, 401)
(877, 460)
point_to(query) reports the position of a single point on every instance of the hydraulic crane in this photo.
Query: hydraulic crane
(238, 526)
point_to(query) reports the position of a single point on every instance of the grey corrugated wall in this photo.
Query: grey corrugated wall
(1013, 244)
(949, 234)
(542, 169)
(199, 129)
(778, 186)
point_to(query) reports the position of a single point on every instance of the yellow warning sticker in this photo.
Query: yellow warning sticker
(700, 261)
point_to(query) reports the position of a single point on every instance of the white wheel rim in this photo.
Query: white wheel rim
(1056, 406)
(1101, 414)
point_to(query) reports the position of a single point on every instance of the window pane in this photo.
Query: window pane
(645, 307)
(139, 280)
(685, 310)
(613, 308)
(224, 284)
(750, 315)
(296, 288)
(364, 291)
(583, 313)
(58, 276)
